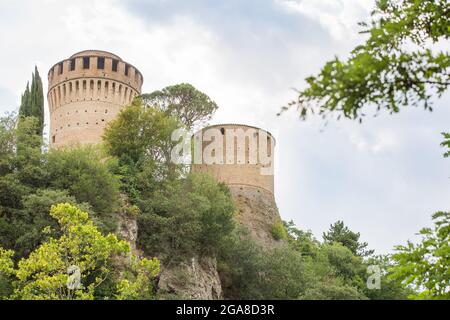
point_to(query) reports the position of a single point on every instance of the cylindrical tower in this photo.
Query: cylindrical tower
(87, 91)
(240, 162)
(242, 157)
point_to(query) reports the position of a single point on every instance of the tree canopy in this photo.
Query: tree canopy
(394, 68)
(183, 101)
(426, 265)
(45, 273)
(32, 102)
(340, 233)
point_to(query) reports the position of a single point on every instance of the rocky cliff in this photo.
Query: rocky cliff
(194, 279)
(258, 212)
(197, 277)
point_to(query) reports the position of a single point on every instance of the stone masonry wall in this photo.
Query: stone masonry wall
(86, 92)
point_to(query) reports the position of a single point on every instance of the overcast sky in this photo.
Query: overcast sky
(384, 178)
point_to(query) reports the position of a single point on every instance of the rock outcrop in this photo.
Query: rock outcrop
(258, 212)
(195, 279)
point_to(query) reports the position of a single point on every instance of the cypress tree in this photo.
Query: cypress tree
(32, 103)
(37, 99)
(25, 107)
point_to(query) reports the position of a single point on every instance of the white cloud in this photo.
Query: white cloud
(382, 140)
(339, 17)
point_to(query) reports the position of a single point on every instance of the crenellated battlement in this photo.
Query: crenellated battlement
(95, 64)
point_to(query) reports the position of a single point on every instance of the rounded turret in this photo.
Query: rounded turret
(85, 92)
(241, 158)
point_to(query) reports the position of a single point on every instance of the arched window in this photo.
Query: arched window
(99, 89)
(106, 89)
(91, 87)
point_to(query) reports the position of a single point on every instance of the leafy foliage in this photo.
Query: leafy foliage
(44, 274)
(390, 288)
(7, 143)
(29, 161)
(183, 101)
(339, 233)
(186, 217)
(278, 231)
(86, 173)
(426, 265)
(385, 72)
(32, 181)
(32, 102)
(140, 132)
(446, 143)
(30, 222)
(249, 271)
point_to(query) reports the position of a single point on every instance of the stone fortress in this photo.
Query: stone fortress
(252, 191)
(87, 90)
(238, 171)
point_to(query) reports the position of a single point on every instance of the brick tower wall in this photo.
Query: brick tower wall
(86, 92)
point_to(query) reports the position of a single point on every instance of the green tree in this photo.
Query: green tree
(29, 222)
(29, 160)
(385, 72)
(278, 231)
(301, 241)
(81, 247)
(185, 217)
(248, 271)
(140, 133)
(446, 144)
(390, 289)
(184, 101)
(25, 102)
(33, 180)
(32, 102)
(87, 173)
(426, 265)
(141, 138)
(7, 143)
(22, 173)
(339, 233)
(292, 271)
(332, 291)
(340, 274)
